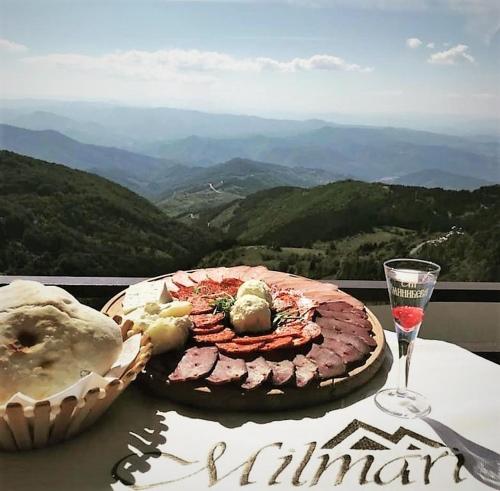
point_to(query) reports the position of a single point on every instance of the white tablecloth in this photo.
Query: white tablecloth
(148, 443)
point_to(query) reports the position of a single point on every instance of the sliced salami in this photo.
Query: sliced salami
(196, 363)
(204, 331)
(329, 364)
(258, 371)
(201, 321)
(218, 337)
(227, 370)
(280, 343)
(264, 338)
(239, 349)
(281, 372)
(305, 370)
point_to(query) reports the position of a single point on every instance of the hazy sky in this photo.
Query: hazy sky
(287, 57)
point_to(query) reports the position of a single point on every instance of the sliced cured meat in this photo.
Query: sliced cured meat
(305, 370)
(200, 306)
(329, 364)
(280, 343)
(284, 301)
(196, 363)
(347, 315)
(358, 343)
(182, 278)
(227, 370)
(201, 321)
(302, 340)
(198, 275)
(345, 327)
(171, 286)
(347, 352)
(258, 371)
(254, 273)
(204, 331)
(238, 271)
(239, 349)
(312, 329)
(265, 337)
(281, 372)
(216, 274)
(230, 286)
(353, 320)
(218, 337)
(343, 298)
(335, 306)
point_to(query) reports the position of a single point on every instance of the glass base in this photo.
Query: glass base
(406, 404)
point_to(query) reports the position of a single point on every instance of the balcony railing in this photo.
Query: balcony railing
(464, 313)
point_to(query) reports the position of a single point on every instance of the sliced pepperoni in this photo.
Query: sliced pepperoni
(257, 339)
(258, 371)
(302, 340)
(280, 343)
(218, 337)
(239, 349)
(204, 331)
(200, 305)
(202, 321)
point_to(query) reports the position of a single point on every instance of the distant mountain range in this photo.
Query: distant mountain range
(110, 124)
(235, 179)
(61, 221)
(366, 153)
(434, 178)
(141, 173)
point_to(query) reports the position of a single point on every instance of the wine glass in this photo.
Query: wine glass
(410, 283)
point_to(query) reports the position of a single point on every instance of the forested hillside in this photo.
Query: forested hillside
(56, 220)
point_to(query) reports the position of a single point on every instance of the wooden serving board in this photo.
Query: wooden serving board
(233, 398)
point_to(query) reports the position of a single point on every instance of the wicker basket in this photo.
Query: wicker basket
(26, 428)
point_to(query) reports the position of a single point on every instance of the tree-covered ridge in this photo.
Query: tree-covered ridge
(56, 220)
(347, 229)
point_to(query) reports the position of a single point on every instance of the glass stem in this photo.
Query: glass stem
(405, 350)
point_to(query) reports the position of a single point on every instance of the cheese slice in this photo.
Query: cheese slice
(145, 292)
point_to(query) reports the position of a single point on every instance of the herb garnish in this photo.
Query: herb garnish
(223, 304)
(283, 317)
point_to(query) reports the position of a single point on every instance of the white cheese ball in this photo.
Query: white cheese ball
(169, 333)
(257, 288)
(250, 314)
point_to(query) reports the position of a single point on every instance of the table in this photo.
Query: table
(147, 443)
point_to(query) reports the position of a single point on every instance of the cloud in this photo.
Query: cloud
(174, 63)
(11, 46)
(431, 45)
(413, 43)
(451, 56)
(484, 96)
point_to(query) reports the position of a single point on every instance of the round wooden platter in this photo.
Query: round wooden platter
(233, 398)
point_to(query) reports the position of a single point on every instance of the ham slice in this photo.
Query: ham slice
(238, 271)
(198, 275)
(258, 371)
(216, 274)
(359, 331)
(254, 273)
(358, 343)
(281, 372)
(347, 352)
(329, 363)
(227, 370)
(196, 363)
(182, 278)
(305, 370)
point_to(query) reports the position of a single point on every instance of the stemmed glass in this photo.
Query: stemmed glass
(410, 283)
